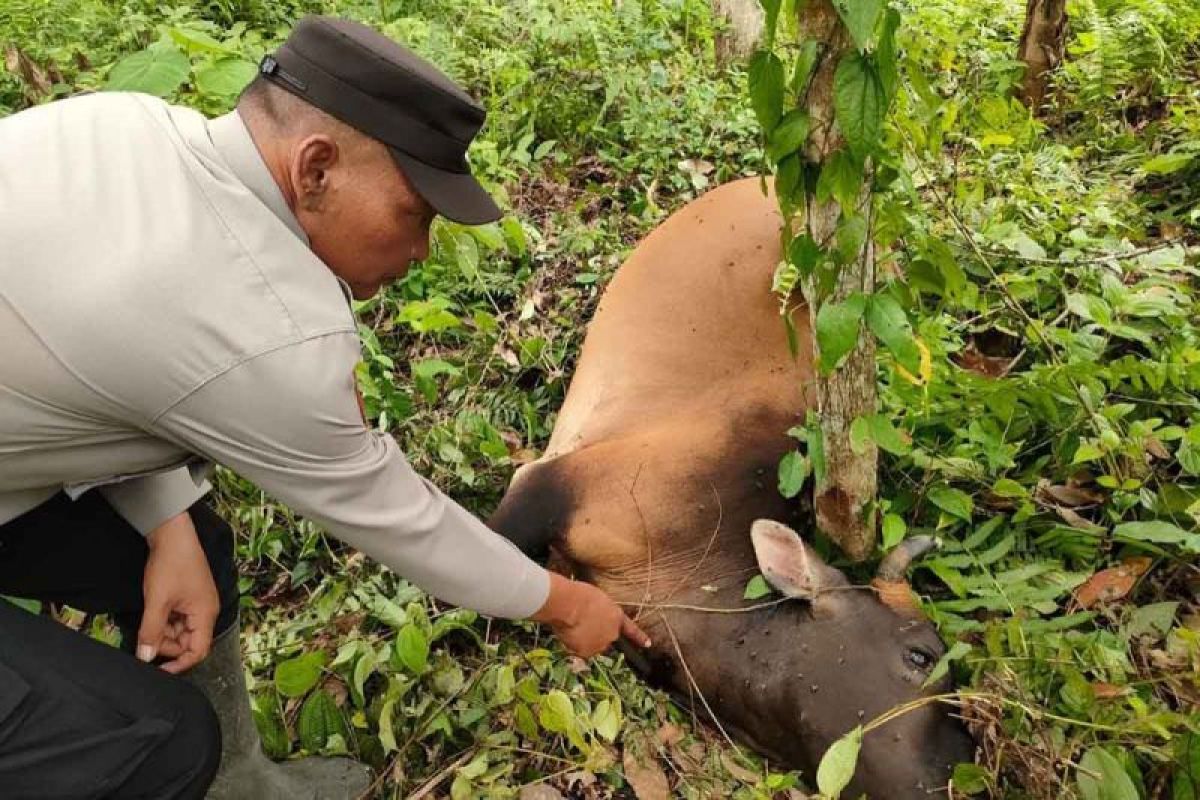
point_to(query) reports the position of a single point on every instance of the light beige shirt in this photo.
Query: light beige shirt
(160, 309)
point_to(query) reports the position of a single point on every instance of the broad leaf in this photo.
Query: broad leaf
(837, 765)
(225, 78)
(838, 327)
(805, 61)
(756, 588)
(889, 323)
(954, 502)
(156, 70)
(789, 135)
(1159, 532)
(859, 17)
(859, 102)
(766, 89)
(793, 471)
(804, 253)
(841, 179)
(1101, 777)
(296, 676)
(412, 649)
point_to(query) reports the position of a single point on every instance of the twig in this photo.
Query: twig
(433, 782)
(711, 540)
(1093, 257)
(692, 681)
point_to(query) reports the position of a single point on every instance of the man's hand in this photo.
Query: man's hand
(181, 600)
(586, 619)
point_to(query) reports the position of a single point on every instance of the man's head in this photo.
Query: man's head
(367, 142)
(363, 217)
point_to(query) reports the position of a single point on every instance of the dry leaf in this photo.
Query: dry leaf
(1077, 520)
(646, 776)
(669, 734)
(738, 771)
(1070, 496)
(539, 791)
(988, 366)
(1156, 448)
(336, 688)
(1111, 584)
(1108, 691)
(35, 78)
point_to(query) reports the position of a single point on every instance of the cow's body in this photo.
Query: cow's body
(663, 456)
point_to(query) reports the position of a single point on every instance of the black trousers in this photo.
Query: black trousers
(80, 719)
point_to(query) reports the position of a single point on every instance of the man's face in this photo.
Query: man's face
(363, 217)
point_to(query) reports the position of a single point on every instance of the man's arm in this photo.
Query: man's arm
(148, 502)
(289, 421)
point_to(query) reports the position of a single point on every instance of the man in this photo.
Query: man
(173, 293)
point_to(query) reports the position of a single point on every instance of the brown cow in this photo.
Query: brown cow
(661, 465)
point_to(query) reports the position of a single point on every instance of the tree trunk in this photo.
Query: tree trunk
(1042, 47)
(743, 21)
(844, 496)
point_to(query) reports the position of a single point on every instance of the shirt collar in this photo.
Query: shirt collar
(232, 139)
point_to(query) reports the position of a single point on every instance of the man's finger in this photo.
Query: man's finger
(150, 633)
(200, 632)
(631, 631)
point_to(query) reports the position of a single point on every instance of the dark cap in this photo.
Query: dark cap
(358, 75)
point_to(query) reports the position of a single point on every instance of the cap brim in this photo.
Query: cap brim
(454, 195)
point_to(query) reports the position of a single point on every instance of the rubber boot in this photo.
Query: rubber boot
(246, 773)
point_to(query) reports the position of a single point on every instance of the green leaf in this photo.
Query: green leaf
(1155, 618)
(954, 502)
(789, 135)
(889, 323)
(837, 765)
(894, 529)
(387, 733)
(804, 253)
(851, 236)
(771, 20)
(606, 719)
(296, 676)
(841, 178)
(788, 183)
(156, 70)
(860, 435)
(887, 436)
(1101, 777)
(766, 89)
(1086, 452)
(806, 59)
(859, 102)
(885, 54)
(970, 778)
(225, 77)
(412, 649)
(1159, 532)
(556, 713)
(1168, 163)
(794, 469)
(198, 41)
(859, 17)
(1007, 487)
(1188, 453)
(757, 588)
(273, 734)
(319, 719)
(939, 671)
(816, 448)
(1186, 784)
(837, 330)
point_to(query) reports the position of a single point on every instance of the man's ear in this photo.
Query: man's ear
(788, 564)
(312, 159)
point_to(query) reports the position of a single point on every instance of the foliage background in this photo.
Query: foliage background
(1047, 265)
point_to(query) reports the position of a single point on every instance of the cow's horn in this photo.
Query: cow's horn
(895, 564)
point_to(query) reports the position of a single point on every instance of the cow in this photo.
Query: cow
(658, 485)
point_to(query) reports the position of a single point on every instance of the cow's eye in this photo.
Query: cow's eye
(921, 659)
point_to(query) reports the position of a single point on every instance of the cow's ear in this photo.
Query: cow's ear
(788, 564)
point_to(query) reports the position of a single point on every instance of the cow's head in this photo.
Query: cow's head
(842, 656)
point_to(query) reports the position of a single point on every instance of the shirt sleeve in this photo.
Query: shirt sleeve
(148, 502)
(289, 420)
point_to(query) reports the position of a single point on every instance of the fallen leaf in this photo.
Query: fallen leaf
(1108, 691)
(988, 366)
(1156, 448)
(1113, 583)
(35, 78)
(539, 791)
(336, 688)
(646, 776)
(738, 771)
(1070, 496)
(1077, 520)
(669, 734)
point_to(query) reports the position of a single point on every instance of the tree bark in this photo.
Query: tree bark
(1042, 48)
(744, 21)
(844, 496)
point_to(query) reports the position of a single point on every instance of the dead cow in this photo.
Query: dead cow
(658, 485)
